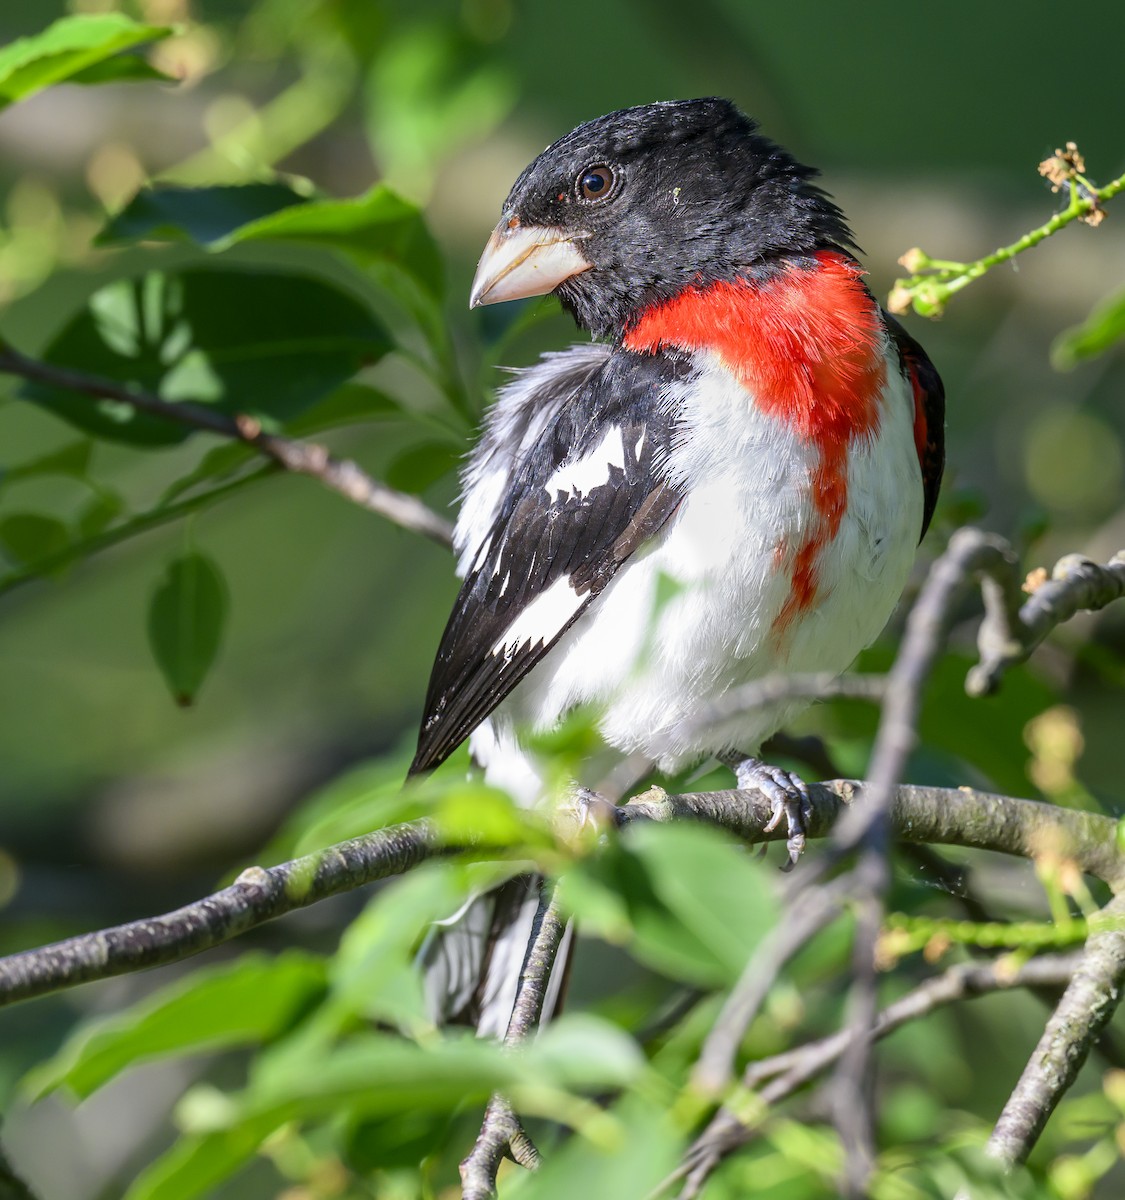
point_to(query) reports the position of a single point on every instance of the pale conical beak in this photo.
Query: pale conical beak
(525, 260)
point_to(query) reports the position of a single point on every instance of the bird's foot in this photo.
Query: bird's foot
(593, 811)
(788, 796)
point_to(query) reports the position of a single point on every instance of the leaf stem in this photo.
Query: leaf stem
(936, 280)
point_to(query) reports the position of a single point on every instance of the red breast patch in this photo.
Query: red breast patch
(807, 344)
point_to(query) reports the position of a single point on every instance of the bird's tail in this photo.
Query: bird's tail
(473, 961)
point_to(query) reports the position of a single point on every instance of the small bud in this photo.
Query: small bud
(900, 299)
(1035, 580)
(915, 260)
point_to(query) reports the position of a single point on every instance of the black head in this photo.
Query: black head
(630, 209)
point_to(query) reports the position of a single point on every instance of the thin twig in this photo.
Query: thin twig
(816, 909)
(969, 551)
(501, 1132)
(866, 828)
(780, 1076)
(300, 458)
(936, 280)
(1011, 629)
(1090, 999)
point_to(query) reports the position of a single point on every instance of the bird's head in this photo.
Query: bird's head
(629, 210)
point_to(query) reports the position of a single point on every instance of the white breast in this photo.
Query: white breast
(697, 613)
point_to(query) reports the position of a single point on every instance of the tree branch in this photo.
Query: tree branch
(1011, 629)
(256, 896)
(501, 1132)
(1090, 999)
(947, 816)
(300, 458)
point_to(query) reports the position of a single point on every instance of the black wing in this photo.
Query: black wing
(589, 491)
(929, 414)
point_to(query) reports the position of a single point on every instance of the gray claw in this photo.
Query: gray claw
(789, 798)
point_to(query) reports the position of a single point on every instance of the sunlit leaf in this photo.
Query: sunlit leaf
(685, 901)
(186, 618)
(197, 1164)
(253, 342)
(247, 1002)
(78, 49)
(377, 227)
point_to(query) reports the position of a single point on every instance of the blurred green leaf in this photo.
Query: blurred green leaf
(78, 49)
(397, 1140)
(1101, 330)
(186, 619)
(378, 226)
(377, 1073)
(419, 467)
(218, 463)
(31, 539)
(254, 342)
(106, 506)
(206, 216)
(374, 974)
(122, 68)
(586, 1053)
(250, 1001)
(685, 901)
(197, 1164)
(643, 1150)
(72, 459)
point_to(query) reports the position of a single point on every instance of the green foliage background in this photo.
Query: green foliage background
(116, 802)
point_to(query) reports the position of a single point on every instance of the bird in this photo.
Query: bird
(729, 481)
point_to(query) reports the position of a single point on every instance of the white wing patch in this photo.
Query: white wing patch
(542, 619)
(582, 475)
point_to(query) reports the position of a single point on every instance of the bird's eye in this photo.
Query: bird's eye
(595, 183)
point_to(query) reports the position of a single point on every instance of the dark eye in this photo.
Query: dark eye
(595, 183)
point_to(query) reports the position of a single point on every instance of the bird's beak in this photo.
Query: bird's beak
(525, 260)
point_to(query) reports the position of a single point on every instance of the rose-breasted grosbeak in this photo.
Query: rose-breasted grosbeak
(730, 484)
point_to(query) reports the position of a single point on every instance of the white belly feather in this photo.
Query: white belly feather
(697, 613)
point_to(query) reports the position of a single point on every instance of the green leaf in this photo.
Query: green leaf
(377, 227)
(376, 1073)
(196, 1165)
(585, 1053)
(685, 901)
(30, 538)
(72, 459)
(124, 68)
(251, 1001)
(421, 466)
(205, 216)
(352, 404)
(269, 345)
(643, 1148)
(1102, 329)
(77, 49)
(218, 463)
(106, 506)
(186, 616)
(374, 974)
